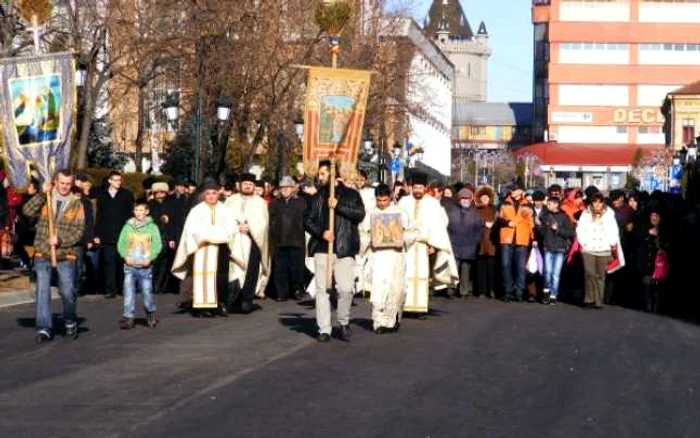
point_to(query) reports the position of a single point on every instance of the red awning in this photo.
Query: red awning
(580, 154)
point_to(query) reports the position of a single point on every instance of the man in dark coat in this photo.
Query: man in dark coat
(287, 240)
(114, 206)
(466, 230)
(345, 240)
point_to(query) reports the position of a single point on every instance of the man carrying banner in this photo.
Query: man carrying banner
(249, 249)
(345, 240)
(68, 224)
(428, 220)
(202, 256)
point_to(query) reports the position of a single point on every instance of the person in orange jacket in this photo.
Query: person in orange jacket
(516, 233)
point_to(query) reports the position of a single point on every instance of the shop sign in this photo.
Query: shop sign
(638, 115)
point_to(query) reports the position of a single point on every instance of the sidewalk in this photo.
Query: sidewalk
(16, 289)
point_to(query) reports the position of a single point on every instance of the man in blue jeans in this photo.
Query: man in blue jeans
(68, 228)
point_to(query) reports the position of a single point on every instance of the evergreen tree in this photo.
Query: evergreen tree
(101, 152)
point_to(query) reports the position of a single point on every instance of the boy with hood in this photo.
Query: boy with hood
(139, 245)
(556, 234)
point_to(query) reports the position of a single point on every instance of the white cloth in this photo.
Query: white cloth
(251, 210)
(369, 201)
(205, 228)
(427, 221)
(385, 272)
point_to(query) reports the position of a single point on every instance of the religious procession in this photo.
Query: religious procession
(225, 246)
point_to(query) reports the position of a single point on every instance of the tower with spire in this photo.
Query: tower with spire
(447, 25)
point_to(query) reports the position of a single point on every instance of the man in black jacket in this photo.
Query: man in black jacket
(114, 206)
(287, 240)
(345, 238)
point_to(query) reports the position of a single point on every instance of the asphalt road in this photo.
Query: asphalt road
(472, 369)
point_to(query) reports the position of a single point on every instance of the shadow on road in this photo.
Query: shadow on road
(299, 323)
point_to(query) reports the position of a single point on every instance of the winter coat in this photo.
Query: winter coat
(69, 226)
(522, 231)
(597, 236)
(349, 213)
(488, 214)
(287, 222)
(558, 240)
(644, 249)
(466, 230)
(112, 214)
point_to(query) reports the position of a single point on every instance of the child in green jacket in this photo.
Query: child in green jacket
(139, 245)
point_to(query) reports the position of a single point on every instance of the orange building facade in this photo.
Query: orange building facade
(603, 68)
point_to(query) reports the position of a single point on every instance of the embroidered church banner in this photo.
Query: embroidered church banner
(336, 102)
(37, 112)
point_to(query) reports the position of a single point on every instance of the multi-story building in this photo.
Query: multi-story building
(447, 24)
(682, 113)
(603, 68)
(425, 82)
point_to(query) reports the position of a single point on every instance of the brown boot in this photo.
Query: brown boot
(126, 323)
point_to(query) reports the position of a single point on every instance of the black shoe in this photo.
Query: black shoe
(248, 307)
(345, 333)
(531, 299)
(72, 330)
(110, 296)
(281, 299)
(382, 330)
(42, 336)
(506, 299)
(546, 300)
(323, 337)
(518, 299)
(223, 310)
(396, 327)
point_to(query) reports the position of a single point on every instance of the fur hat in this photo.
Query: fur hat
(160, 187)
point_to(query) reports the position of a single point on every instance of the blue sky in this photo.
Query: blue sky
(510, 31)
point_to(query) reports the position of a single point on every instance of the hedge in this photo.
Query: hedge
(132, 181)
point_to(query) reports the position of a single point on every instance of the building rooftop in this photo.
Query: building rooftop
(692, 88)
(492, 114)
(448, 15)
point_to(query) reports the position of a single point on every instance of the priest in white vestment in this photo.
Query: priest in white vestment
(367, 195)
(203, 252)
(383, 240)
(428, 221)
(250, 266)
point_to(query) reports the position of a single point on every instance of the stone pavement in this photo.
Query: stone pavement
(475, 368)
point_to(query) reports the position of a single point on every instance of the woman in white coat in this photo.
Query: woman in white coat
(598, 236)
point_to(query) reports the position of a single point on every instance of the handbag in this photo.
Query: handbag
(574, 250)
(618, 261)
(661, 266)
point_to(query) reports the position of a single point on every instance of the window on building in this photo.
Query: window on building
(621, 129)
(688, 131)
(478, 130)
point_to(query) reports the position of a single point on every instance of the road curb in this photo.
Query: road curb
(23, 296)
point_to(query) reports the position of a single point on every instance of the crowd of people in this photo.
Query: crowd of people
(233, 240)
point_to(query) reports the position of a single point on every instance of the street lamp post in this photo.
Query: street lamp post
(80, 82)
(223, 115)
